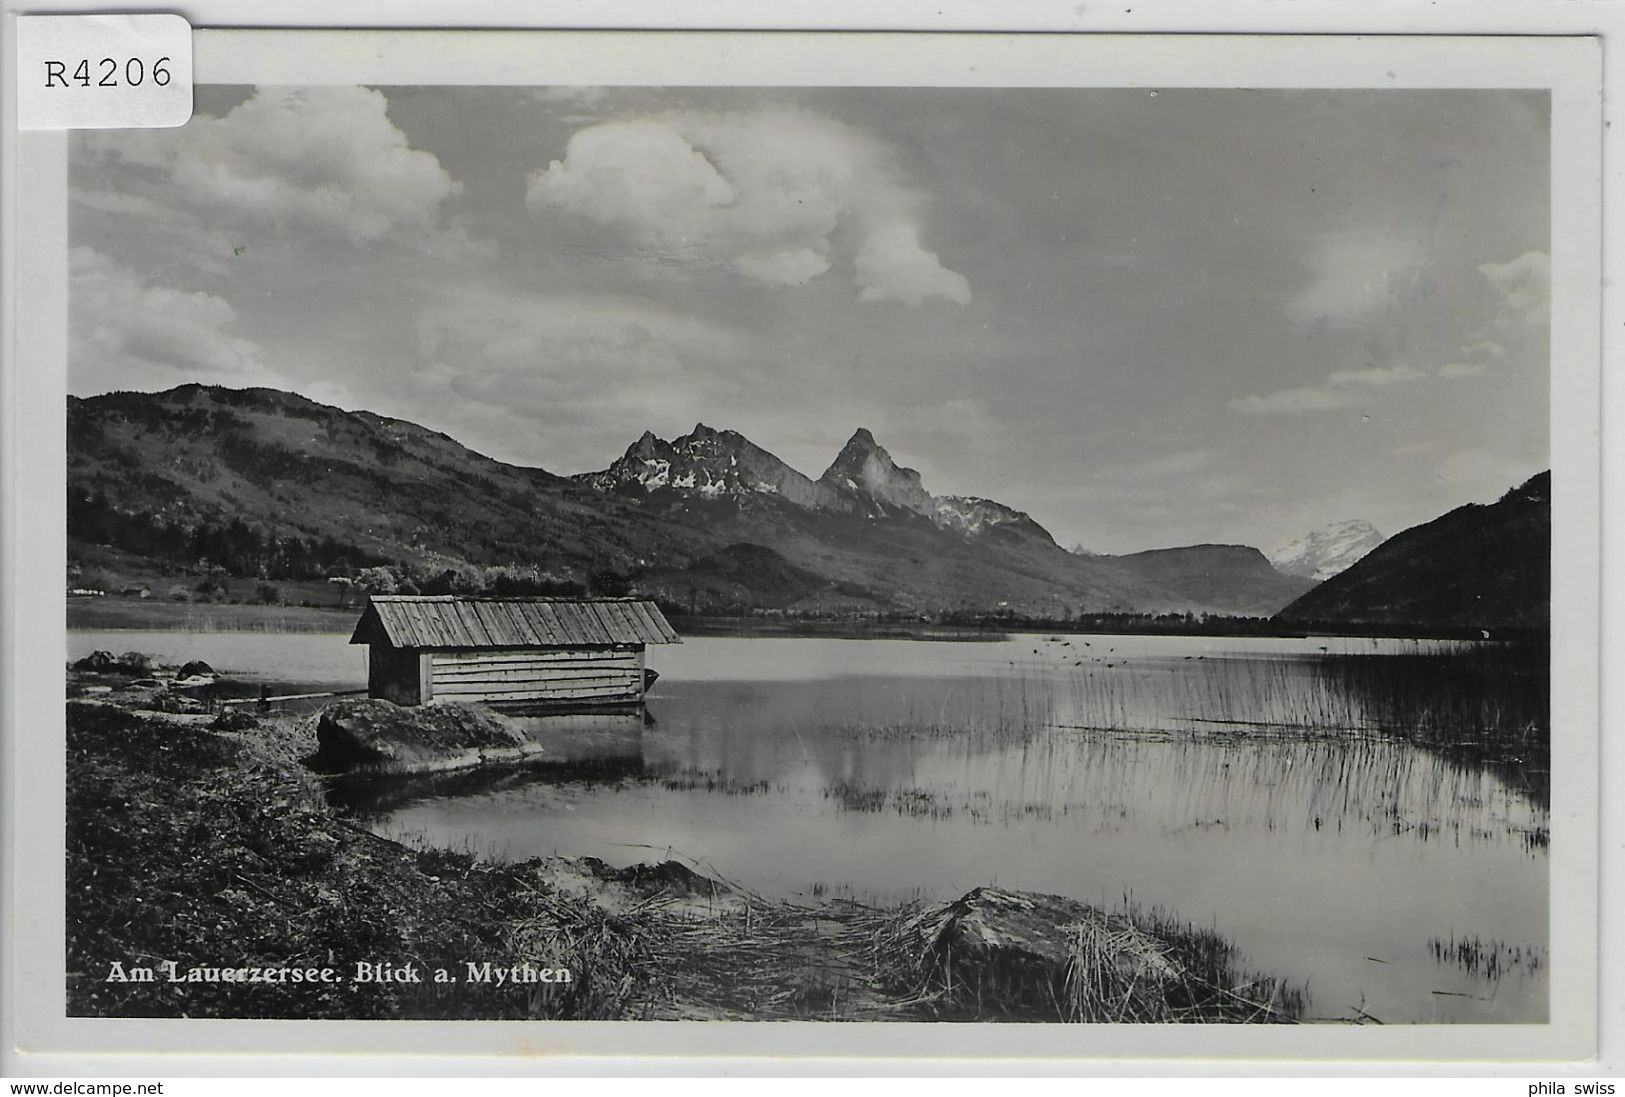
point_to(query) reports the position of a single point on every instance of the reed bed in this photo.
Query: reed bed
(1489, 699)
(1486, 959)
(774, 960)
(1483, 703)
(715, 781)
(1130, 967)
(842, 960)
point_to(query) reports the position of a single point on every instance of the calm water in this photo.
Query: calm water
(1173, 771)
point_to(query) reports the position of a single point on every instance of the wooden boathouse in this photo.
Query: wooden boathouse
(552, 653)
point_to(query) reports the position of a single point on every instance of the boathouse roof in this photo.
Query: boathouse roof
(456, 621)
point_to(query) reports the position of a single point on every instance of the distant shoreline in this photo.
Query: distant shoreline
(769, 628)
(125, 613)
(153, 615)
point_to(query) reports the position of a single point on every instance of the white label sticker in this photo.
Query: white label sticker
(103, 71)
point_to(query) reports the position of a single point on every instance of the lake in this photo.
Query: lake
(1230, 782)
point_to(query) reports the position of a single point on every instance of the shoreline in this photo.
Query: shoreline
(114, 613)
(211, 845)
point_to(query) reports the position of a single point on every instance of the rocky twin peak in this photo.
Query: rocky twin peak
(1328, 551)
(711, 463)
(863, 479)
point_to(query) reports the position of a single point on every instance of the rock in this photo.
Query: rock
(660, 880)
(197, 682)
(196, 668)
(375, 736)
(677, 890)
(99, 662)
(235, 719)
(1014, 952)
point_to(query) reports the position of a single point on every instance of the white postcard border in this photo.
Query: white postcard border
(1569, 67)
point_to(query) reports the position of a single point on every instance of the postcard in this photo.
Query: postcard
(585, 543)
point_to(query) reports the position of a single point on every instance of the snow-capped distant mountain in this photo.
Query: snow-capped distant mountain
(1327, 551)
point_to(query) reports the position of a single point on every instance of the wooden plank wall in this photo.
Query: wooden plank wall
(565, 677)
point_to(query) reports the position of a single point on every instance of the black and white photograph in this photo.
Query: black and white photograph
(823, 552)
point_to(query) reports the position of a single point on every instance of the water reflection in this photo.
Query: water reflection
(1333, 856)
(1228, 781)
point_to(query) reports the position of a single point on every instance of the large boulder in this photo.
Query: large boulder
(105, 662)
(99, 662)
(375, 736)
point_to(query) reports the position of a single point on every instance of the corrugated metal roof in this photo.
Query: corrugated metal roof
(452, 621)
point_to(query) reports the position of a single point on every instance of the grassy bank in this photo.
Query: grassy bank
(115, 612)
(204, 847)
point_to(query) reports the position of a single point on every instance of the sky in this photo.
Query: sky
(1147, 318)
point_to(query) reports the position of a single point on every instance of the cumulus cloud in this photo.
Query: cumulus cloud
(317, 156)
(892, 266)
(777, 196)
(1357, 275)
(641, 174)
(1525, 285)
(127, 332)
(1461, 371)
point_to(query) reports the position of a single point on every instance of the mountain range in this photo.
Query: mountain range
(1480, 565)
(709, 520)
(863, 480)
